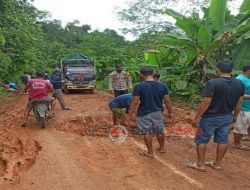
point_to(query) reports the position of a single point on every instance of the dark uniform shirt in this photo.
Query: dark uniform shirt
(56, 81)
(225, 93)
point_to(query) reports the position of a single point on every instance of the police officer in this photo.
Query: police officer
(119, 81)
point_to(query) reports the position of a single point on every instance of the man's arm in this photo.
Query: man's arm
(246, 97)
(205, 103)
(134, 105)
(168, 105)
(237, 108)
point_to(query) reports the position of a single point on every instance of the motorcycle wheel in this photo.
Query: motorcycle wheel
(43, 122)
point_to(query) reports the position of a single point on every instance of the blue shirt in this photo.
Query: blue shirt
(246, 81)
(122, 101)
(13, 85)
(56, 81)
(151, 96)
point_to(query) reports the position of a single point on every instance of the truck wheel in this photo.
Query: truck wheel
(43, 122)
(92, 91)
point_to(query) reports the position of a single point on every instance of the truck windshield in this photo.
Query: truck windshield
(79, 69)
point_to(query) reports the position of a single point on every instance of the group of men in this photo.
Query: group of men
(39, 88)
(221, 107)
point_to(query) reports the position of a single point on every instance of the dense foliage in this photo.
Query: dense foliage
(29, 41)
(186, 56)
(184, 53)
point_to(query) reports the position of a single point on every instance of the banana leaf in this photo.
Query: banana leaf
(181, 84)
(242, 55)
(217, 13)
(190, 25)
(243, 27)
(204, 37)
(243, 37)
(245, 6)
(180, 42)
(151, 58)
(171, 77)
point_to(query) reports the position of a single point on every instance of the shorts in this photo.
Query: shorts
(31, 102)
(243, 123)
(218, 125)
(151, 123)
(117, 112)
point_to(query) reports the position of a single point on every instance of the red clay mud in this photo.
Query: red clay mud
(78, 154)
(17, 149)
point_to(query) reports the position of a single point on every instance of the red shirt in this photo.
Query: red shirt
(39, 89)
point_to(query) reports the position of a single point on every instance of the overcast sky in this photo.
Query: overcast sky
(97, 13)
(100, 14)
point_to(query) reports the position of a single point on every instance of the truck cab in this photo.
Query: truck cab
(79, 73)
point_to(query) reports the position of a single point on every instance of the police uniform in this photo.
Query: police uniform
(119, 82)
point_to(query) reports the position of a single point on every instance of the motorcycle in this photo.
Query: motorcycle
(42, 111)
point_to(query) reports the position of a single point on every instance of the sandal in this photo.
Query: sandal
(145, 153)
(242, 147)
(161, 151)
(195, 166)
(212, 165)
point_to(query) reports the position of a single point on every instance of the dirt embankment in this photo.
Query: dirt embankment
(18, 150)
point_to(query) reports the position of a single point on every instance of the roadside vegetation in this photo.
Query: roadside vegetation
(184, 53)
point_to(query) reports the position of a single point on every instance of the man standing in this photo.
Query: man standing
(119, 81)
(243, 119)
(38, 90)
(56, 80)
(221, 96)
(150, 95)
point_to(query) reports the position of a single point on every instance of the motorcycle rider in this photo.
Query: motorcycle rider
(38, 90)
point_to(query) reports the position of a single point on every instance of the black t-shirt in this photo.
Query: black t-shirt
(225, 93)
(56, 81)
(151, 96)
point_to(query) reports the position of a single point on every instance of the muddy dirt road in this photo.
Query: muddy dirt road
(75, 153)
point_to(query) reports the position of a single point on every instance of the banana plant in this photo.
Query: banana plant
(214, 37)
(218, 35)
